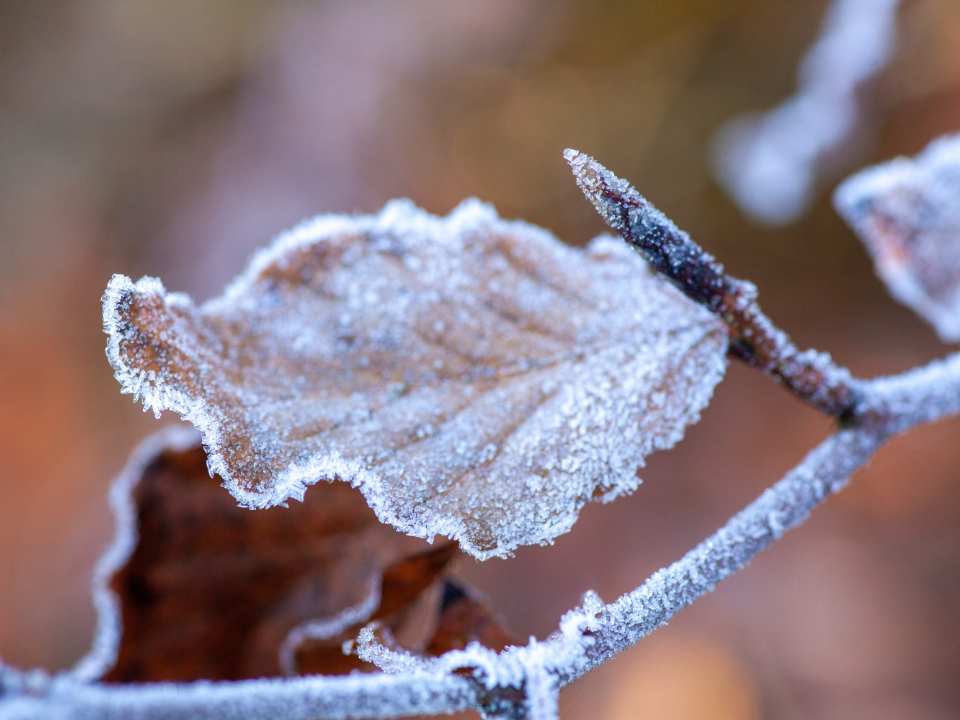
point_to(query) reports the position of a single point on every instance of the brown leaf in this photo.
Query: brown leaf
(475, 378)
(905, 212)
(212, 590)
(406, 609)
(465, 619)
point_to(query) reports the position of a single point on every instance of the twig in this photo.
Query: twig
(303, 698)
(754, 338)
(588, 636)
(772, 163)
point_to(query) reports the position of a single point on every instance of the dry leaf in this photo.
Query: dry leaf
(905, 212)
(406, 609)
(464, 619)
(208, 589)
(476, 378)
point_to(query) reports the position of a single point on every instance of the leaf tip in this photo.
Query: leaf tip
(608, 193)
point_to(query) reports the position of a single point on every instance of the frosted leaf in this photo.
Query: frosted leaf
(476, 378)
(907, 213)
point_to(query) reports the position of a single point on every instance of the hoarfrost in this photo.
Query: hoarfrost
(906, 213)
(476, 378)
(771, 163)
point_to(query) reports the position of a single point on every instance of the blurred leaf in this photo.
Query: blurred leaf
(212, 590)
(906, 213)
(406, 609)
(475, 378)
(464, 619)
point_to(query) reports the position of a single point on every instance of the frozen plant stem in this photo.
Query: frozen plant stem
(811, 375)
(588, 636)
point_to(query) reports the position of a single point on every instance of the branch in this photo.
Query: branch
(588, 636)
(754, 338)
(304, 698)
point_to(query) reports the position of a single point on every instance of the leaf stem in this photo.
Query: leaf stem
(754, 339)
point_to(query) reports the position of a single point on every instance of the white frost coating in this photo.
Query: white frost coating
(476, 378)
(106, 639)
(537, 668)
(907, 213)
(922, 395)
(306, 698)
(543, 692)
(330, 627)
(771, 163)
(10, 678)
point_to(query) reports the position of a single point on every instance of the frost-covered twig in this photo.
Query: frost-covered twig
(523, 682)
(303, 698)
(782, 507)
(753, 337)
(771, 163)
(900, 402)
(477, 677)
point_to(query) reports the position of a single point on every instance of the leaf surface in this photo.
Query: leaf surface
(906, 213)
(476, 378)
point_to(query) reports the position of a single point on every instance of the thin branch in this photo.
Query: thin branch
(304, 698)
(780, 508)
(753, 337)
(587, 637)
(900, 402)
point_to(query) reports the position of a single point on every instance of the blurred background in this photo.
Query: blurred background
(173, 138)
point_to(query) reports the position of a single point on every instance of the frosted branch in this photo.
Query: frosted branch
(521, 681)
(754, 339)
(771, 163)
(782, 507)
(305, 698)
(923, 395)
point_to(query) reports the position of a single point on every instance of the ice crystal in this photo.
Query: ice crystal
(476, 378)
